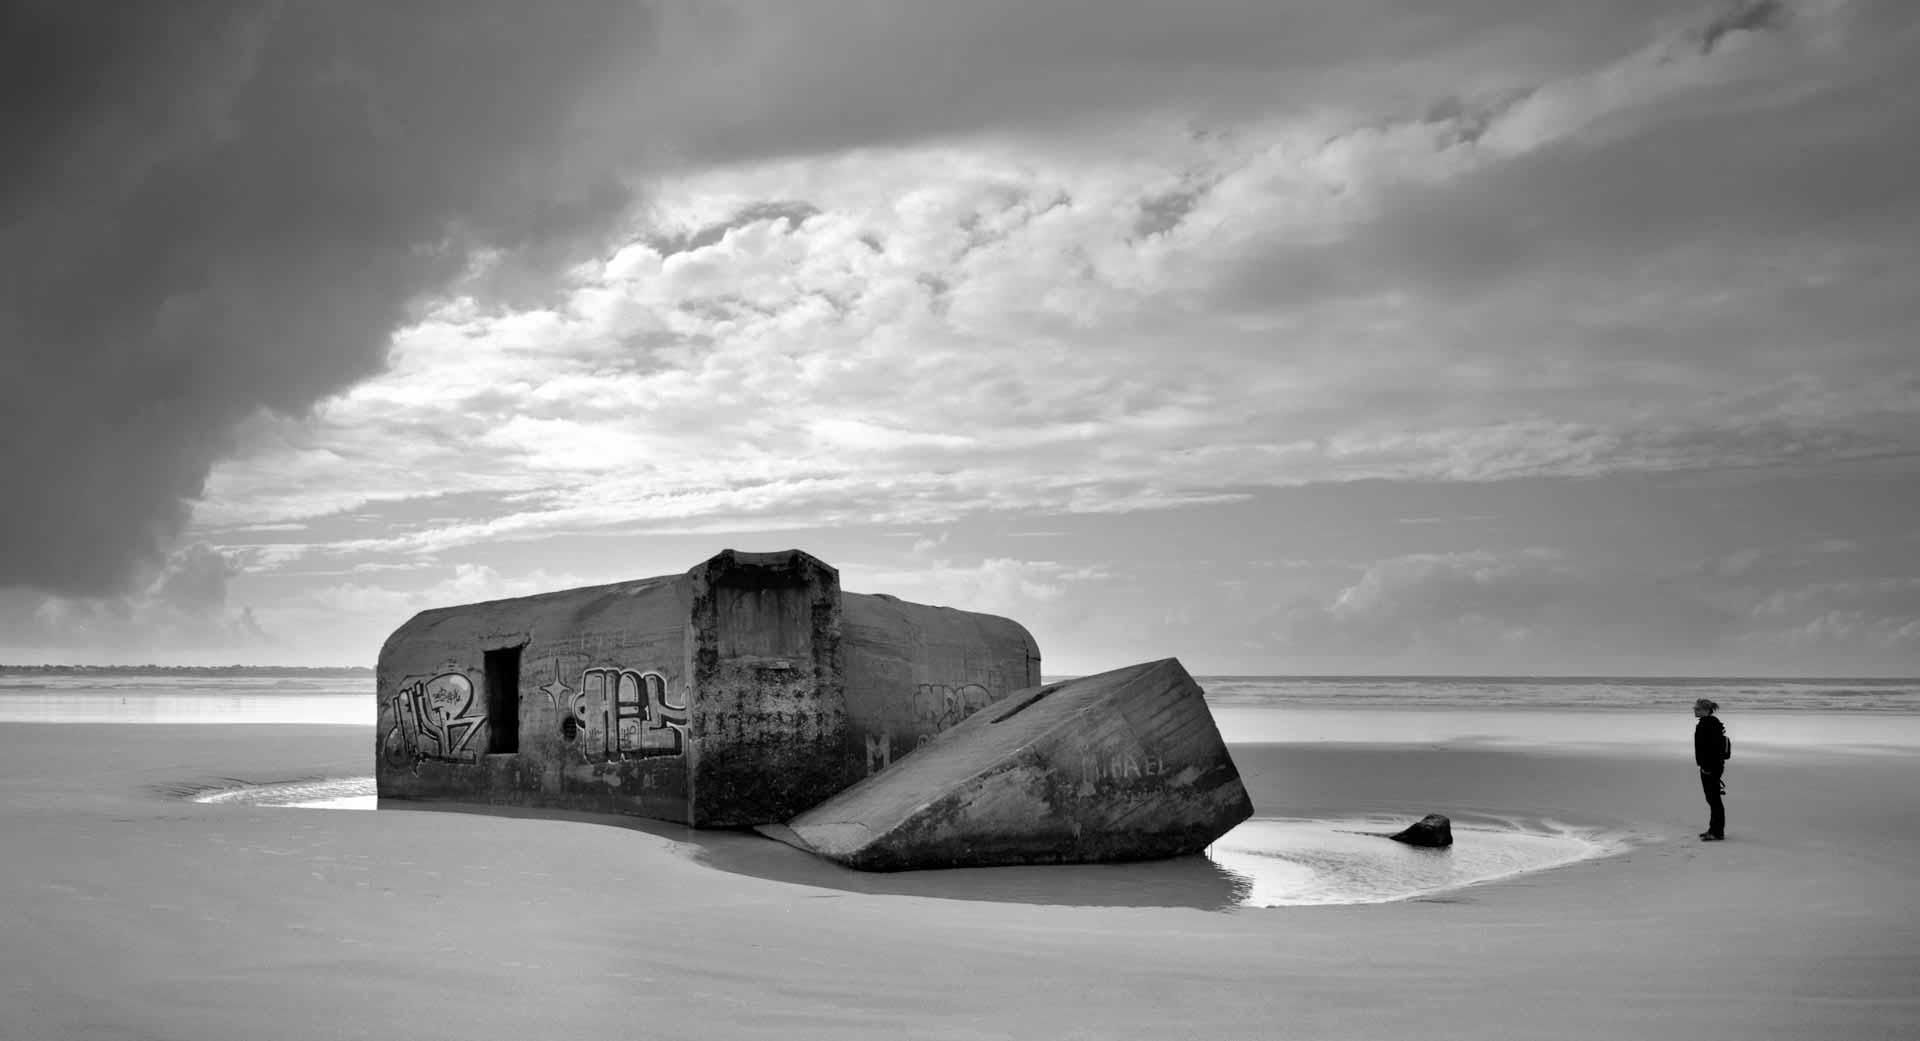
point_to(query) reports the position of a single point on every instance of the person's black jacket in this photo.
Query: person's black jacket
(1710, 744)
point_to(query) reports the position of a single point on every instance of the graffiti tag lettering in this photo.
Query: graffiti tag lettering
(434, 719)
(1121, 767)
(941, 705)
(640, 721)
(879, 752)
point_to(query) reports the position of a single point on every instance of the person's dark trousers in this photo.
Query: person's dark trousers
(1717, 821)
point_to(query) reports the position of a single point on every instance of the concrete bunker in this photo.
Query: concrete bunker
(753, 691)
(741, 692)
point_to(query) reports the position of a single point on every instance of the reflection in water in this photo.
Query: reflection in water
(1265, 862)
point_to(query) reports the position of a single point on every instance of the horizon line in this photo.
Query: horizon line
(1055, 677)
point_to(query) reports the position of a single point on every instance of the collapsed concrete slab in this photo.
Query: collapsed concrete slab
(1125, 765)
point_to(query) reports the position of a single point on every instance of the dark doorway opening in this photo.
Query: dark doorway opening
(503, 700)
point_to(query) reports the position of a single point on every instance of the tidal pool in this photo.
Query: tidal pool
(1265, 862)
(1291, 862)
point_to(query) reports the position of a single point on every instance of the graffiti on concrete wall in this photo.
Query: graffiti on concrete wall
(434, 719)
(622, 713)
(937, 706)
(1121, 767)
(879, 751)
(570, 705)
(639, 718)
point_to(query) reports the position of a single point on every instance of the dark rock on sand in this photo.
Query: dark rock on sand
(1434, 831)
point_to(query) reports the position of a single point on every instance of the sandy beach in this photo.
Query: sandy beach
(130, 911)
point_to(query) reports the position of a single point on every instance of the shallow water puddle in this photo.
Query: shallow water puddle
(1295, 862)
(332, 793)
(1265, 862)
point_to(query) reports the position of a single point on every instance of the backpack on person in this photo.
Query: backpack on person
(1726, 743)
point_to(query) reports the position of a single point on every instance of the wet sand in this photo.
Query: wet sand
(128, 911)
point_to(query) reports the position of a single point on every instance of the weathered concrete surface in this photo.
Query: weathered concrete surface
(769, 706)
(712, 698)
(598, 713)
(1125, 765)
(913, 671)
(733, 694)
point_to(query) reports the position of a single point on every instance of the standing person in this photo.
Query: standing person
(1710, 755)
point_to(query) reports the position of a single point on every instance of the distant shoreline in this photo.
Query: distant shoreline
(1304, 677)
(185, 670)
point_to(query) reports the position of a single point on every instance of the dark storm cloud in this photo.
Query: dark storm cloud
(1722, 272)
(1827, 169)
(779, 79)
(1824, 160)
(185, 608)
(211, 209)
(1745, 16)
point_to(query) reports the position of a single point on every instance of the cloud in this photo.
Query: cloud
(1071, 258)
(937, 335)
(1710, 215)
(1021, 589)
(1532, 610)
(1847, 606)
(940, 70)
(1848, 628)
(1820, 607)
(218, 209)
(1224, 291)
(182, 614)
(463, 584)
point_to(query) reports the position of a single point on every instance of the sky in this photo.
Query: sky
(1478, 337)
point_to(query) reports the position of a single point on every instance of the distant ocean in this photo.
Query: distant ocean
(1601, 693)
(1497, 709)
(186, 695)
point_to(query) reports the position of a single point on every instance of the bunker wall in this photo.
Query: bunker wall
(913, 670)
(577, 699)
(769, 709)
(739, 693)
